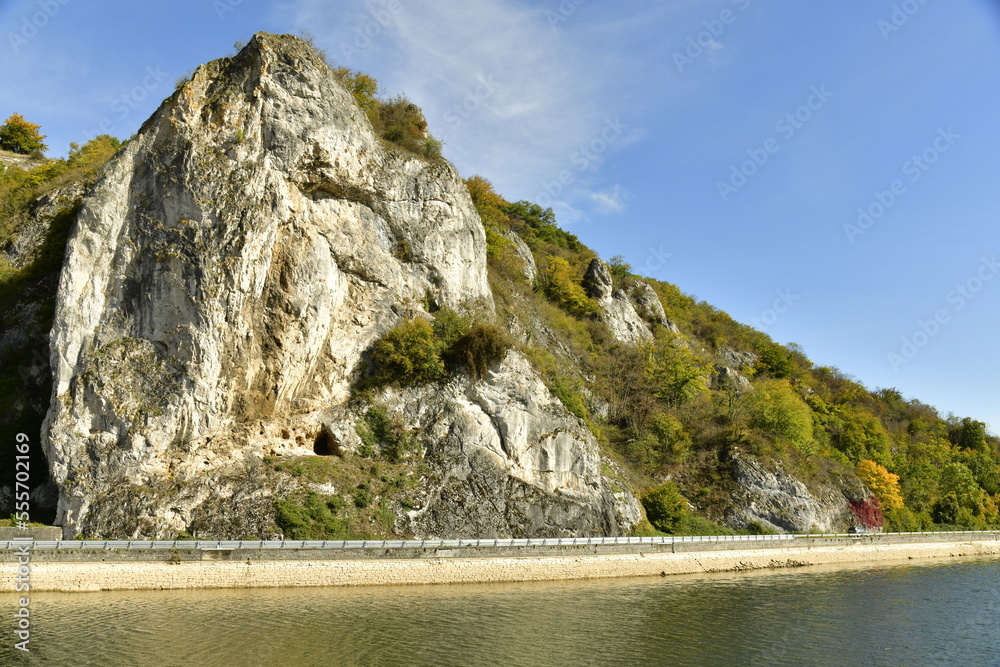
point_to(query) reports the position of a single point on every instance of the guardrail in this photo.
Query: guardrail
(222, 545)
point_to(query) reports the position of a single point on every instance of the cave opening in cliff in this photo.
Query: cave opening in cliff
(323, 445)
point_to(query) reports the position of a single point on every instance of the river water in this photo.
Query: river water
(928, 614)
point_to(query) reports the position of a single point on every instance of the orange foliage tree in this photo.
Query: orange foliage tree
(882, 483)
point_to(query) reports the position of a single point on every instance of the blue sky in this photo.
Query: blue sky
(824, 171)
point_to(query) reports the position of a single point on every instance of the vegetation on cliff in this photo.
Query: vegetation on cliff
(680, 406)
(40, 202)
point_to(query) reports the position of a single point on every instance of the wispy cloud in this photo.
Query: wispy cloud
(512, 99)
(612, 200)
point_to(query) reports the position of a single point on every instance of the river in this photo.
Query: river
(927, 614)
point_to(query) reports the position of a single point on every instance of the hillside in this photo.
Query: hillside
(278, 310)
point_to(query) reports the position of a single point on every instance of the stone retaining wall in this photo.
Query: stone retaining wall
(124, 575)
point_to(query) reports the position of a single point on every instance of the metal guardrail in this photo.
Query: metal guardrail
(222, 545)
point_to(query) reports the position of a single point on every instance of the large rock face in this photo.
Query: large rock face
(223, 281)
(778, 501)
(508, 433)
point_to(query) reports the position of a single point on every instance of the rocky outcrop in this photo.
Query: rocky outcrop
(727, 374)
(736, 359)
(225, 278)
(597, 280)
(648, 305)
(529, 269)
(511, 457)
(26, 162)
(726, 378)
(617, 310)
(28, 243)
(777, 501)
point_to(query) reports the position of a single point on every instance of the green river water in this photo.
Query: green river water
(946, 613)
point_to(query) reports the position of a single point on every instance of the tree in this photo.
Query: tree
(20, 136)
(619, 268)
(480, 348)
(562, 288)
(971, 434)
(678, 375)
(363, 87)
(775, 407)
(882, 483)
(861, 435)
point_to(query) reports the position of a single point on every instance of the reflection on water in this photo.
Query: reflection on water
(939, 614)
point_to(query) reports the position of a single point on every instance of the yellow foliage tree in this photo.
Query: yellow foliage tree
(20, 136)
(882, 483)
(566, 291)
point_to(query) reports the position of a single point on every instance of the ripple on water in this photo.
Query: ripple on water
(912, 615)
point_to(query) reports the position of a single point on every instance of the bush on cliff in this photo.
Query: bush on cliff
(408, 354)
(480, 348)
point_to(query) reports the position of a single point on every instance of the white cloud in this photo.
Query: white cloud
(612, 200)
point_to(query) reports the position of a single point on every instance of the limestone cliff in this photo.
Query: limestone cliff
(223, 283)
(777, 501)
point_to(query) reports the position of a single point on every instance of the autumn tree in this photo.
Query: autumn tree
(363, 87)
(562, 287)
(20, 136)
(882, 483)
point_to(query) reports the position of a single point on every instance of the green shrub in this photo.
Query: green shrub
(538, 226)
(408, 354)
(313, 517)
(402, 123)
(378, 429)
(449, 326)
(757, 528)
(362, 498)
(666, 508)
(567, 390)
